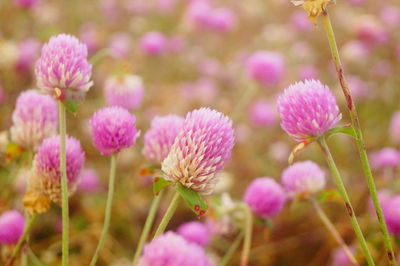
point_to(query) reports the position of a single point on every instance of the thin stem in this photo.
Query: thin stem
(232, 249)
(359, 137)
(248, 231)
(27, 228)
(147, 226)
(168, 214)
(107, 216)
(100, 55)
(32, 257)
(64, 184)
(345, 198)
(331, 228)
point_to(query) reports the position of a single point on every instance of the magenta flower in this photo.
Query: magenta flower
(266, 67)
(383, 196)
(394, 128)
(340, 257)
(26, 3)
(303, 178)
(113, 129)
(160, 137)
(265, 197)
(308, 109)
(201, 149)
(63, 64)
(28, 52)
(195, 232)
(391, 211)
(125, 91)
(46, 175)
(385, 158)
(262, 114)
(35, 118)
(89, 181)
(11, 227)
(171, 249)
(153, 43)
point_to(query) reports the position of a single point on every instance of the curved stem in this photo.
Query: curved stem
(107, 216)
(247, 236)
(345, 198)
(27, 228)
(359, 137)
(64, 184)
(232, 249)
(168, 214)
(331, 228)
(147, 226)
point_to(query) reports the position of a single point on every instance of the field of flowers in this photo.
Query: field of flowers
(199, 132)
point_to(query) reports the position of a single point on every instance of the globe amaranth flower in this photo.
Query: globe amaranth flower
(113, 129)
(307, 109)
(303, 178)
(153, 43)
(160, 137)
(46, 176)
(385, 158)
(11, 227)
(265, 197)
(124, 90)
(63, 64)
(266, 67)
(391, 211)
(171, 249)
(89, 181)
(201, 149)
(195, 232)
(35, 118)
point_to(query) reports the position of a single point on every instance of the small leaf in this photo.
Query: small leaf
(299, 148)
(328, 195)
(347, 129)
(193, 200)
(71, 105)
(159, 184)
(266, 222)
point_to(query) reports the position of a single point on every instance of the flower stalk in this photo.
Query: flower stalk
(248, 231)
(168, 214)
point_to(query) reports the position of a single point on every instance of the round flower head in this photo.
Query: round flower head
(89, 181)
(262, 114)
(28, 52)
(303, 178)
(120, 44)
(153, 43)
(171, 249)
(201, 149)
(46, 166)
(35, 118)
(11, 227)
(160, 137)
(195, 232)
(391, 211)
(63, 64)
(113, 129)
(125, 91)
(26, 3)
(387, 157)
(266, 67)
(307, 109)
(394, 128)
(265, 197)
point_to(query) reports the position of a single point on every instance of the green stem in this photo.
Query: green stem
(345, 198)
(331, 228)
(100, 55)
(107, 216)
(27, 228)
(359, 137)
(232, 249)
(147, 226)
(248, 231)
(168, 214)
(64, 184)
(34, 259)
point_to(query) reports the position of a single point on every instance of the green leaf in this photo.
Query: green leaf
(193, 200)
(159, 184)
(397, 241)
(266, 222)
(71, 105)
(348, 130)
(328, 195)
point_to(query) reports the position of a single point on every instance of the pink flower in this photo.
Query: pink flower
(340, 258)
(26, 3)
(308, 109)
(153, 43)
(120, 44)
(124, 90)
(195, 232)
(300, 21)
(63, 64)
(394, 128)
(171, 249)
(35, 118)
(391, 211)
(159, 138)
(11, 227)
(113, 129)
(262, 114)
(266, 67)
(28, 53)
(265, 197)
(387, 157)
(89, 181)
(201, 149)
(308, 72)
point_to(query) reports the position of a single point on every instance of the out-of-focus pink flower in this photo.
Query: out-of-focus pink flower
(385, 158)
(358, 87)
(2, 95)
(356, 2)
(210, 67)
(166, 6)
(394, 128)
(124, 90)
(300, 21)
(201, 150)
(308, 109)
(371, 32)
(203, 90)
(222, 20)
(26, 3)
(195, 232)
(90, 36)
(390, 15)
(383, 196)
(262, 114)
(176, 44)
(308, 72)
(28, 52)
(120, 45)
(355, 51)
(89, 181)
(160, 137)
(340, 258)
(153, 43)
(266, 67)
(391, 211)
(11, 227)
